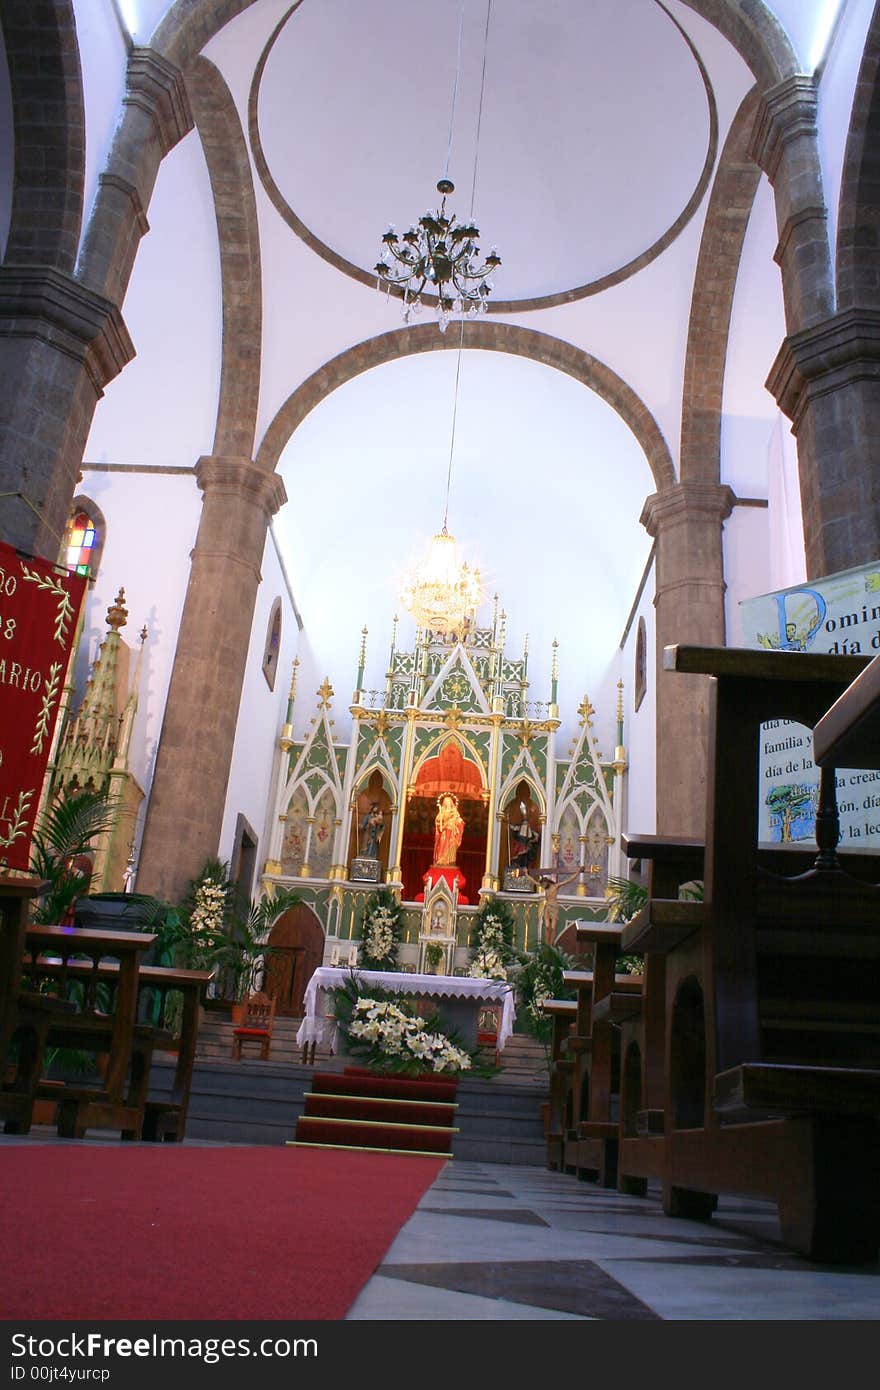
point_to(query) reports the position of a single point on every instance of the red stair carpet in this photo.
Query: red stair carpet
(359, 1109)
(168, 1232)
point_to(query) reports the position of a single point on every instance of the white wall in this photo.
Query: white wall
(640, 726)
(261, 714)
(162, 408)
(152, 521)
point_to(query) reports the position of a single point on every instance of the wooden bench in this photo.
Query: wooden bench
(563, 1013)
(664, 921)
(772, 1082)
(99, 986)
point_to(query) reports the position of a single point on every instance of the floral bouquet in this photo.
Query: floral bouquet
(380, 936)
(385, 1033)
(493, 936)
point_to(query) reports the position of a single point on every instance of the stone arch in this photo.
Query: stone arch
(232, 186)
(727, 217)
(858, 225)
(752, 29)
(490, 337)
(49, 130)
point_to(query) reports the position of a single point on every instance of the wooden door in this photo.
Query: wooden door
(299, 941)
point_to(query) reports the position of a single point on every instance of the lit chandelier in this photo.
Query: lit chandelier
(442, 593)
(440, 255)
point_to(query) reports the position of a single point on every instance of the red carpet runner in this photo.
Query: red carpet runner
(359, 1109)
(167, 1232)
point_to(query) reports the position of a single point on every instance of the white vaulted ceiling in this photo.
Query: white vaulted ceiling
(598, 118)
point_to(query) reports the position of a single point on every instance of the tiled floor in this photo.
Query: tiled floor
(490, 1242)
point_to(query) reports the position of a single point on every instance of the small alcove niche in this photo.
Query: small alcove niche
(273, 644)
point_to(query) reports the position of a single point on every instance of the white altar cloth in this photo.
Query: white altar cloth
(317, 1027)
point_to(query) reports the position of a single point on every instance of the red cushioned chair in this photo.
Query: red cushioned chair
(256, 1026)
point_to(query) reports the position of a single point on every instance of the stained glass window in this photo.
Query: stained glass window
(80, 543)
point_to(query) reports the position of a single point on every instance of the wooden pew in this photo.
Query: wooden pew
(772, 1048)
(161, 1118)
(651, 933)
(563, 1013)
(115, 1101)
(592, 1150)
(24, 1016)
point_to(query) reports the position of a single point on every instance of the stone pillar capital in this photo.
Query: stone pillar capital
(40, 302)
(824, 358)
(786, 112)
(684, 502)
(240, 477)
(158, 88)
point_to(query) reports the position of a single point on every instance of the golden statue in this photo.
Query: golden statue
(448, 829)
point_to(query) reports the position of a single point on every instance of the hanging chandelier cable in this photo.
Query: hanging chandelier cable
(454, 418)
(439, 255)
(455, 87)
(480, 107)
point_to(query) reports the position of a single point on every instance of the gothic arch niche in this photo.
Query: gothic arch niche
(447, 770)
(297, 939)
(372, 791)
(520, 845)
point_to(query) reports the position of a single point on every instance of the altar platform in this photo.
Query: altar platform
(459, 999)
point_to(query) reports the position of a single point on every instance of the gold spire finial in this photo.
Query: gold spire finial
(554, 670)
(363, 656)
(325, 693)
(585, 709)
(619, 701)
(117, 613)
(293, 672)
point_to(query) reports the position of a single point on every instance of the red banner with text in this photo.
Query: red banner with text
(39, 608)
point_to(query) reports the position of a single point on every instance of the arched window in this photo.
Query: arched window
(641, 671)
(273, 645)
(83, 539)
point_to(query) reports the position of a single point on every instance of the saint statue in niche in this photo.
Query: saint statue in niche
(448, 829)
(372, 828)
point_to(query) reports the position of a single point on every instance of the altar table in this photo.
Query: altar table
(460, 996)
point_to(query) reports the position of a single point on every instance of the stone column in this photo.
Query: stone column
(60, 343)
(192, 769)
(62, 337)
(827, 381)
(686, 522)
(826, 377)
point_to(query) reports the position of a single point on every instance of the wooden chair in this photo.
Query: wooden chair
(256, 1027)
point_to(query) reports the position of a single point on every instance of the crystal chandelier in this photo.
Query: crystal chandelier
(440, 254)
(443, 593)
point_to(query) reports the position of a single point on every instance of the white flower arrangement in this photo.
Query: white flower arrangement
(400, 1035)
(488, 962)
(210, 905)
(379, 939)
